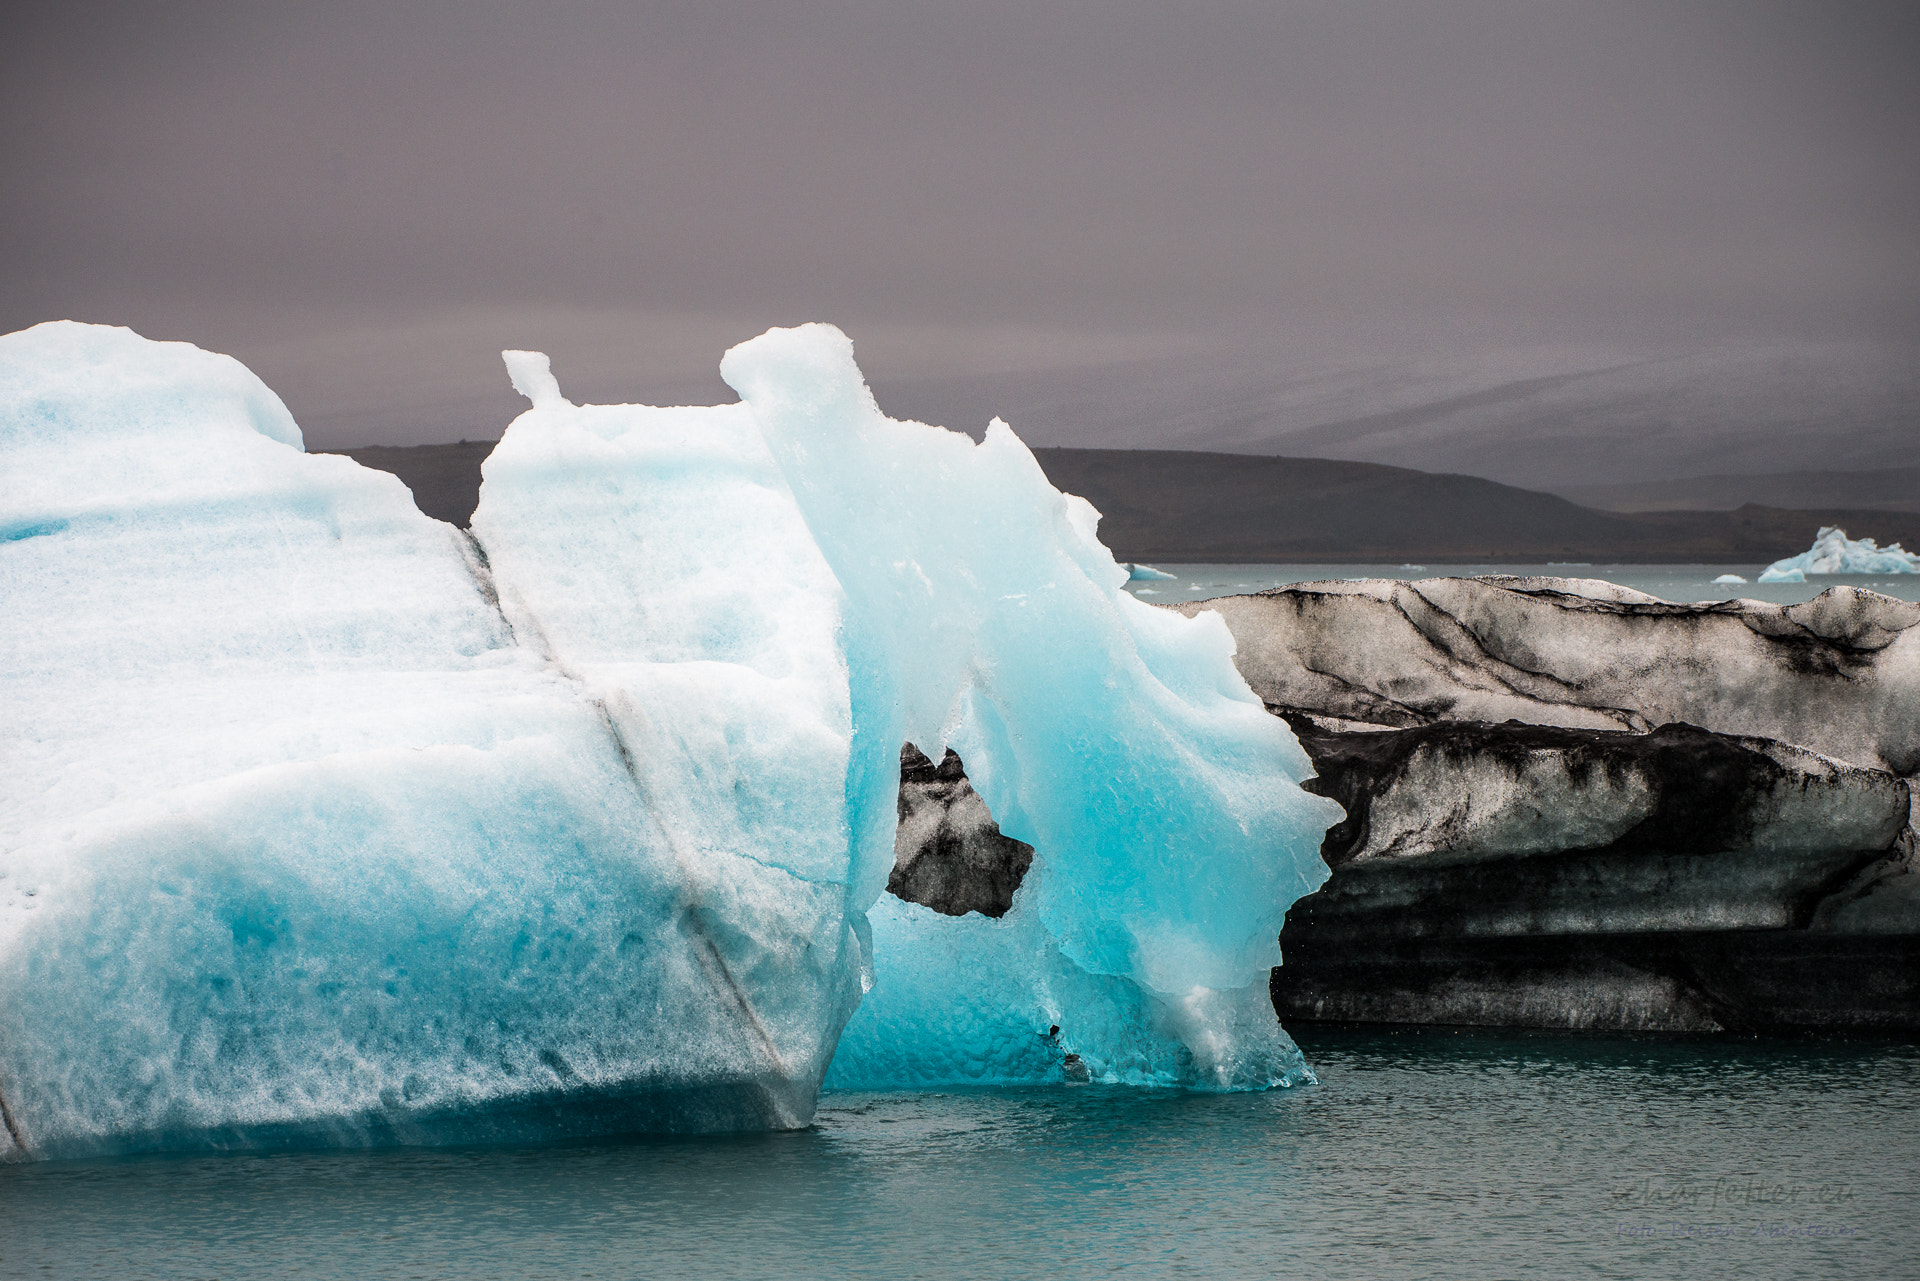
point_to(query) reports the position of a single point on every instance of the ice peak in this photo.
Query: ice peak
(532, 376)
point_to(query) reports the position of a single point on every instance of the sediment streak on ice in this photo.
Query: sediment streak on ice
(656, 558)
(1839, 674)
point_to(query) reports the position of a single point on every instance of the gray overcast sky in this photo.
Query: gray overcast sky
(1301, 217)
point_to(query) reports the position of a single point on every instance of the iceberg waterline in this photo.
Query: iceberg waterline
(1834, 553)
(324, 822)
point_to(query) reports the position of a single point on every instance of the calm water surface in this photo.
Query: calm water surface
(1422, 1153)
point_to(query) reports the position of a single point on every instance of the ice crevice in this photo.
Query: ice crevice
(533, 377)
(12, 1127)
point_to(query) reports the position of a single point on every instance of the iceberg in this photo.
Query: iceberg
(1834, 553)
(1726, 580)
(1147, 574)
(984, 615)
(302, 841)
(326, 823)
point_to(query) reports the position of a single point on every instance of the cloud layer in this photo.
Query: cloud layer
(366, 201)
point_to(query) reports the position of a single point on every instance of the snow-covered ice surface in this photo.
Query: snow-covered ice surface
(1834, 553)
(321, 823)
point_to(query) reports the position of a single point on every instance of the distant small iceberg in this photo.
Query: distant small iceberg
(1145, 574)
(1834, 553)
(1725, 579)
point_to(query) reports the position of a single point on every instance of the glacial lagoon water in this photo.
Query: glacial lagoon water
(1669, 582)
(1420, 1153)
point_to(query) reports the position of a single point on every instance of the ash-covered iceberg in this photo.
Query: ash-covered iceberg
(1834, 553)
(324, 823)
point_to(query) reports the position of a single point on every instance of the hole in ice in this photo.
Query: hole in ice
(948, 852)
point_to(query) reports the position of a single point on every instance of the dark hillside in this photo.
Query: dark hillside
(1179, 505)
(1187, 506)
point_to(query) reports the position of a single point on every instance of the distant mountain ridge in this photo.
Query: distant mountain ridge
(1528, 416)
(1888, 489)
(1191, 506)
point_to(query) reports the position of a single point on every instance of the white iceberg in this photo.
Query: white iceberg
(1834, 553)
(1728, 580)
(1147, 574)
(324, 823)
(300, 841)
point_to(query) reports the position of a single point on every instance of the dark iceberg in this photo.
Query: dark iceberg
(1574, 805)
